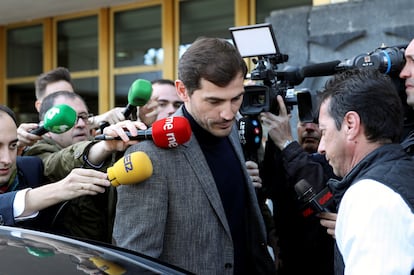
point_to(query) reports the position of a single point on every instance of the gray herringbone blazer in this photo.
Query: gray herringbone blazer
(177, 215)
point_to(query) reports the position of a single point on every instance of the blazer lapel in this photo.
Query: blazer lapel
(198, 163)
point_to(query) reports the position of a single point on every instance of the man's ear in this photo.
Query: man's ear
(38, 103)
(353, 125)
(181, 90)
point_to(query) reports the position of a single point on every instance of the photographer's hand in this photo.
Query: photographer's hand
(278, 125)
(253, 170)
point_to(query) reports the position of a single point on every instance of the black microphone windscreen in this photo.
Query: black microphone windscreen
(320, 69)
(304, 190)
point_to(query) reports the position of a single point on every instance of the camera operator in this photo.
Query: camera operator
(303, 244)
(407, 73)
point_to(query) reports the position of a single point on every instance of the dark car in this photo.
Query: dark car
(25, 251)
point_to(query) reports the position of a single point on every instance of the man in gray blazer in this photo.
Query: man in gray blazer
(199, 210)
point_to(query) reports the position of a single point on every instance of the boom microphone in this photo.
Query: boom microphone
(166, 133)
(295, 76)
(320, 69)
(314, 203)
(130, 169)
(58, 119)
(138, 95)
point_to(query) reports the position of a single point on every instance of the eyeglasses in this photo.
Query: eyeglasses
(85, 117)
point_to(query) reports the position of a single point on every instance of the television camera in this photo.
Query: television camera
(259, 42)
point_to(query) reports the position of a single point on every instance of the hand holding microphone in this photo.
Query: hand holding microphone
(110, 117)
(314, 203)
(130, 169)
(166, 133)
(58, 119)
(24, 137)
(138, 95)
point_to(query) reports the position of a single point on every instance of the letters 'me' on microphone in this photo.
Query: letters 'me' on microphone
(58, 119)
(313, 203)
(171, 131)
(130, 169)
(166, 133)
(138, 95)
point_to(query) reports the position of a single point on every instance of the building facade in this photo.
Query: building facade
(107, 48)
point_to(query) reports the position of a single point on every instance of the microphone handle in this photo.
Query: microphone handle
(39, 131)
(128, 110)
(324, 201)
(103, 125)
(142, 135)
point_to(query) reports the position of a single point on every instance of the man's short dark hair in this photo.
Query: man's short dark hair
(373, 96)
(7, 110)
(213, 59)
(58, 74)
(49, 101)
(163, 81)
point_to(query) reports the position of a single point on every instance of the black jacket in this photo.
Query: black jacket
(305, 247)
(391, 166)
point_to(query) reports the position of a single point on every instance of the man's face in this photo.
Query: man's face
(167, 98)
(213, 107)
(8, 147)
(309, 136)
(79, 132)
(333, 142)
(407, 73)
(61, 85)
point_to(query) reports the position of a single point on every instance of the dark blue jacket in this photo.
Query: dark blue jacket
(29, 174)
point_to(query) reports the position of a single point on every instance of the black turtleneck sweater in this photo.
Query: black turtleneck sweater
(228, 175)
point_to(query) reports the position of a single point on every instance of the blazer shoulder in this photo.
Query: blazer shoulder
(30, 169)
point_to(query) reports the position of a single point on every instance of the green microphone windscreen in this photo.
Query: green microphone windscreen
(139, 92)
(60, 118)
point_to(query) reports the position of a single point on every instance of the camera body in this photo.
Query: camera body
(259, 41)
(261, 97)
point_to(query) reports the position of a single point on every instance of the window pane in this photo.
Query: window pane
(25, 51)
(21, 99)
(88, 89)
(138, 37)
(203, 18)
(124, 82)
(78, 43)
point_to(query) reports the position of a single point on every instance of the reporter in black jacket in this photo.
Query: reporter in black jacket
(304, 247)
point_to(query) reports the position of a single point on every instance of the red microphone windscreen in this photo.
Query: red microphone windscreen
(171, 131)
